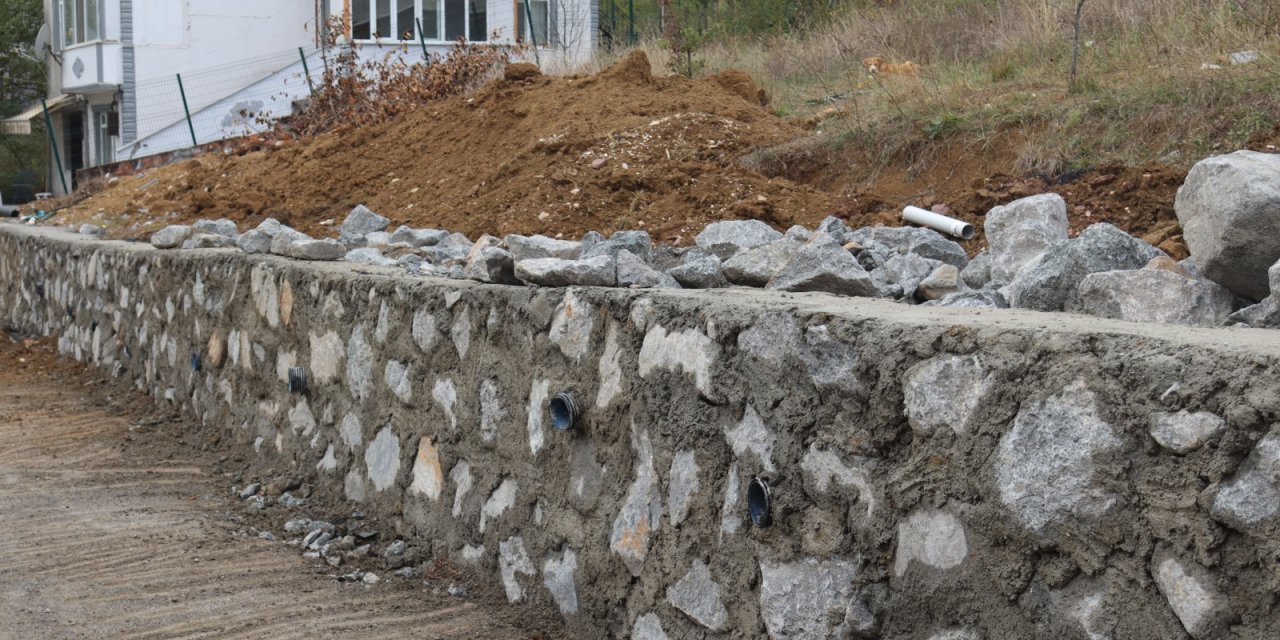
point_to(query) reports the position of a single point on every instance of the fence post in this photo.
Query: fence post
(306, 70)
(187, 110)
(422, 40)
(53, 144)
(631, 22)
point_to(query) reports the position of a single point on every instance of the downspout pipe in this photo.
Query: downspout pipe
(938, 222)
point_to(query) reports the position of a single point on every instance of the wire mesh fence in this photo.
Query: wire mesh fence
(219, 102)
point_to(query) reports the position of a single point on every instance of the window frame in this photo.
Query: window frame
(80, 21)
(441, 25)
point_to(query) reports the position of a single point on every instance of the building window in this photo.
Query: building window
(397, 20)
(81, 21)
(540, 11)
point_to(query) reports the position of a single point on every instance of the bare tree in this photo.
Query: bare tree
(1075, 45)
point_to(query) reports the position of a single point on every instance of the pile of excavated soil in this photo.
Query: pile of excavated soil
(526, 154)
(622, 149)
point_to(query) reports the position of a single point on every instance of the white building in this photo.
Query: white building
(121, 70)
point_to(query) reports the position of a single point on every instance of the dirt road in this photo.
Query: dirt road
(112, 532)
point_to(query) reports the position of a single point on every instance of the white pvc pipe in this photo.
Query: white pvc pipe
(938, 222)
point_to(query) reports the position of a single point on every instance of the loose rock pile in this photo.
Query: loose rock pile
(1229, 208)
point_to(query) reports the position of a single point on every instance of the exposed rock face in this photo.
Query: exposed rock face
(1052, 282)
(1229, 208)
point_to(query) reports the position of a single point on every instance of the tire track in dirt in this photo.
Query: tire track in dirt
(104, 543)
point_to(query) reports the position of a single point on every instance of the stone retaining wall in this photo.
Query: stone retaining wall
(935, 473)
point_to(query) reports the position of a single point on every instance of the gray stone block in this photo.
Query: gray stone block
(634, 272)
(360, 223)
(1229, 208)
(600, 271)
(728, 238)
(1052, 283)
(1154, 295)
(222, 227)
(756, 266)
(492, 265)
(701, 273)
(697, 595)
(822, 264)
(326, 249)
(368, 255)
(1021, 231)
(539, 246)
(170, 237)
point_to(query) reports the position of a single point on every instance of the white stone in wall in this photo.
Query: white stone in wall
(642, 509)
(329, 462)
(428, 477)
(326, 356)
(648, 627)
(572, 326)
(1045, 465)
(383, 459)
(492, 413)
(557, 577)
(352, 431)
(1184, 431)
(697, 595)
(825, 469)
(682, 484)
(169, 309)
(931, 537)
(460, 476)
(1251, 497)
(461, 332)
(513, 560)
(446, 395)
(266, 297)
(499, 501)
(730, 518)
(537, 403)
(285, 360)
(689, 351)
(354, 485)
(383, 327)
(472, 553)
(333, 306)
(228, 392)
(806, 600)
(397, 375)
(424, 331)
(286, 302)
(956, 634)
(751, 436)
(1191, 596)
(246, 352)
(945, 392)
(359, 364)
(301, 419)
(610, 369)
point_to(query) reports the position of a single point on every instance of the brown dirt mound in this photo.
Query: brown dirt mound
(526, 154)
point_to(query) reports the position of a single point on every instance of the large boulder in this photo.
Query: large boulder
(1022, 231)
(822, 264)
(360, 223)
(731, 237)
(634, 272)
(637, 243)
(539, 246)
(1051, 283)
(756, 266)
(600, 271)
(699, 273)
(1154, 295)
(170, 237)
(1229, 208)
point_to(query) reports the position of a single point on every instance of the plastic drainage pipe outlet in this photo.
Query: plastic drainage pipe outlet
(938, 222)
(297, 380)
(195, 362)
(564, 410)
(759, 504)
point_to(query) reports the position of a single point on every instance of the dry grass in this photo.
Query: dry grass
(995, 76)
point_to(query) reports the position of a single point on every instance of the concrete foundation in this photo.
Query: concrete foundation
(934, 473)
